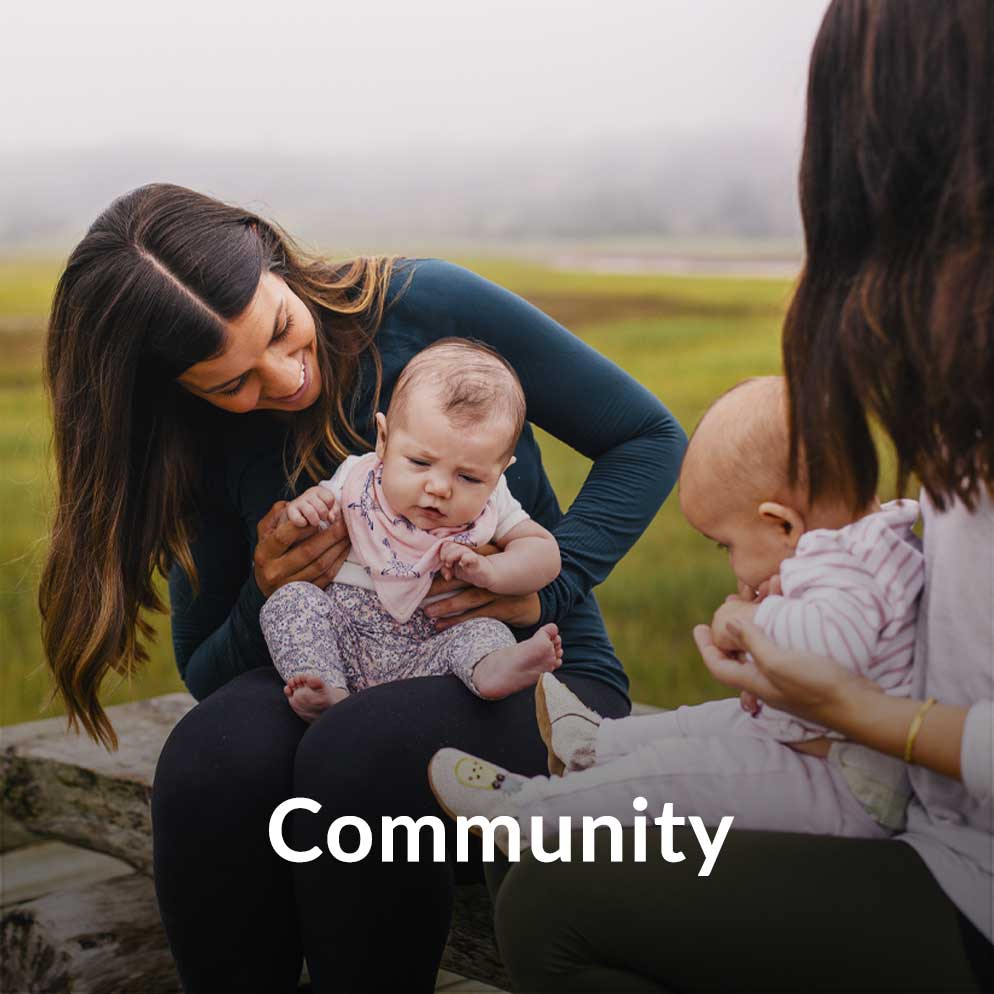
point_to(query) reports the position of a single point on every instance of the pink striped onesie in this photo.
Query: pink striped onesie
(851, 594)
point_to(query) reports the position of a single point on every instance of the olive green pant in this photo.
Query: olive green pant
(779, 912)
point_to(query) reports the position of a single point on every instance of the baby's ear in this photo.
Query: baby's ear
(381, 434)
(789, 521)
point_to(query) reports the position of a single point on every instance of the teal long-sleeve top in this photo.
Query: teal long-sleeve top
(571, 391)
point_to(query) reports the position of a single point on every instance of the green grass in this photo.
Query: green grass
(687, 339)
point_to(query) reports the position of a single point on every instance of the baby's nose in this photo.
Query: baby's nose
(437, 487)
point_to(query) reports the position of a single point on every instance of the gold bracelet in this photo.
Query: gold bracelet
(916, 727)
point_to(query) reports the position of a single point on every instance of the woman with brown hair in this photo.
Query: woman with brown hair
(892, 323)
(202, 371)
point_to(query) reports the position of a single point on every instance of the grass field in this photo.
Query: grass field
(685, 338)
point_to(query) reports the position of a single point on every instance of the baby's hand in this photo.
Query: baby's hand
(465, 564)
(769, 588)
(316, 507)
(733, 608)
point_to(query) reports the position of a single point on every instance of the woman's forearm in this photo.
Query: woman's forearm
(883, 723)
(622, 493)
(820, 690)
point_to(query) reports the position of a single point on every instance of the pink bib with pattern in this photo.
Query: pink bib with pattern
(402, 559)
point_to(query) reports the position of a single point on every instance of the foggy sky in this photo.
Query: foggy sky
(362, 76)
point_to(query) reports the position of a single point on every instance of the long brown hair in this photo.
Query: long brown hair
(143, 297)
(893, 317)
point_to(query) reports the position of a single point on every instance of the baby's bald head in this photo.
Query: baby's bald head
(470, 384)
(738, 454)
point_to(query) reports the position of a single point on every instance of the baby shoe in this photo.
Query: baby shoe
(467, 785)
(567, 726)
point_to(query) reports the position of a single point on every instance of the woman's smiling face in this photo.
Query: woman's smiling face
(270, 359)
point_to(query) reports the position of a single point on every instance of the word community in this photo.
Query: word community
(502, 831)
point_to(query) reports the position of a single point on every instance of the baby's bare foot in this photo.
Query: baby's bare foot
(506, 671)
(309, 695)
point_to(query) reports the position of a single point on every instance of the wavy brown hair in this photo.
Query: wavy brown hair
(143, 297)
(893, 317)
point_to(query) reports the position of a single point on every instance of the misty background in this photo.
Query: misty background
(637, 128)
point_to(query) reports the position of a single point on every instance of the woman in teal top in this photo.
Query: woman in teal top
(201, 372)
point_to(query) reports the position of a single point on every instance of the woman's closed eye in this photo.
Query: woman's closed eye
(287, 325)
(232, 390)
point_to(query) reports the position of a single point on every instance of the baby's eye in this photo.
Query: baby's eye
(417, 462)
(470, 479)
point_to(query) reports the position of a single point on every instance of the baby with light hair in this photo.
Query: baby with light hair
(816, 578)
(421, 505)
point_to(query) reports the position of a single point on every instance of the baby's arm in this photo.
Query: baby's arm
(528, 561)
(316, 507)
(825, 621)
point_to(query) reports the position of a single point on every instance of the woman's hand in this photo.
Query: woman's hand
(286, 553)
(519, 610)
(811, 687)
(828, 694)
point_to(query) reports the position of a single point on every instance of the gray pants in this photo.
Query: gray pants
(346, 637)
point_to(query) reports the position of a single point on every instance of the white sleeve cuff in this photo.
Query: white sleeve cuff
(337, 481)
(510, 513)
(977, 751)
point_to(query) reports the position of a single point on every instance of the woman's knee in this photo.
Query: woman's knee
(371, 750)
(235, 746)
(353, 738)
(532, 929)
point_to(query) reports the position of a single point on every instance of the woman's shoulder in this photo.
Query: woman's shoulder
(430, 275)
(437, 287)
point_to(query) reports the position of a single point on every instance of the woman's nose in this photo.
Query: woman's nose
(282, 377)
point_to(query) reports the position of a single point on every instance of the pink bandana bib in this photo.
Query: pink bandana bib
(402, 559)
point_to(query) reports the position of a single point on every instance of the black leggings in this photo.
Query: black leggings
(240, 918)
(779, 912)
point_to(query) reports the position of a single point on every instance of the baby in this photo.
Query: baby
(431, 493)
(815, 578)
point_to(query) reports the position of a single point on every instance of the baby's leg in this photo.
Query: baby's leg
(299, 622)
(620, 736)
(483, 653)
(761, 782)
(577, 738)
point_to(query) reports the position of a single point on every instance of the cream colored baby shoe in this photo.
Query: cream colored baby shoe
(567, 726)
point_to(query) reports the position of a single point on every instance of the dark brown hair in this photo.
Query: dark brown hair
(893, 318)
(143, 297)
